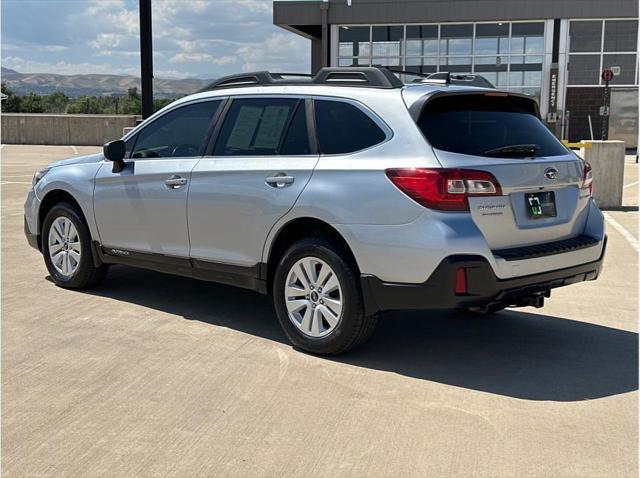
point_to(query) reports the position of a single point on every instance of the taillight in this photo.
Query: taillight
(444, 189)
(587, 177)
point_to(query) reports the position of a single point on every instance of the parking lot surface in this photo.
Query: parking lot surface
(155, 375)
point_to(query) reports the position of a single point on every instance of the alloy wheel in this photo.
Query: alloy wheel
(313, 297)
(64, 246)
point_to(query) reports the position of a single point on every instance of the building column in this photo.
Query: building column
(324, 10)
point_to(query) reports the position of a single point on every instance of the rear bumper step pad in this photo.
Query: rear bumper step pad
(547, 249)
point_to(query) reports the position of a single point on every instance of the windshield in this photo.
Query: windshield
(491, 126)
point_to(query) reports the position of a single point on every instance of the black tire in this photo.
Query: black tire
(353, 327)
(86, 275)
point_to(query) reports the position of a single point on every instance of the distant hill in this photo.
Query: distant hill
(95, 85)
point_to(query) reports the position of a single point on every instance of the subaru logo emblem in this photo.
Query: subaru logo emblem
(551, 173)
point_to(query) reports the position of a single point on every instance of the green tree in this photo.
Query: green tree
(85, 105)
(12, 103)
(56, 102)
(32, 103)
(160, 103)
(131, 104)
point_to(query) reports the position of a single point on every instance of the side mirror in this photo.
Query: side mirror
(115, 151)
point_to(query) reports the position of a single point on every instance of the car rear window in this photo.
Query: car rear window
(492, 126)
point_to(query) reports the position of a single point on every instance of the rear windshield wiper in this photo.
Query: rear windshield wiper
(521, 150)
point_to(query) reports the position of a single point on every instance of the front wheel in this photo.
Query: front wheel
(318, 300)
(66, 246)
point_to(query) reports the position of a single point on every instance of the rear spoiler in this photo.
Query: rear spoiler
(417, 107)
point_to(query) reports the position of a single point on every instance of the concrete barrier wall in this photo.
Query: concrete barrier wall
(607, 160)
(76, 130)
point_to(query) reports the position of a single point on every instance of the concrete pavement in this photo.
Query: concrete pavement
(155, 375)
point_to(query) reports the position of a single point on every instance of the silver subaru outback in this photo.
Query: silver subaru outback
(340, 196)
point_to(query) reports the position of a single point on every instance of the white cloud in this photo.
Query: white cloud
(202, 58)
(204, 37)
(53, 48)
(124, 54)
(281, 51)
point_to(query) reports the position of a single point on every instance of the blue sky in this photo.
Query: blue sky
(192, 38)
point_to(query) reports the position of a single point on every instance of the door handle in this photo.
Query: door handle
(280, 180)
(175, 182)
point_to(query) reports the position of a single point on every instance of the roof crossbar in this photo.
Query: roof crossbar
(370, 77)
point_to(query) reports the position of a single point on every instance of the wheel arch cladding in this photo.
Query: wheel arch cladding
(298, 229)
(52, 198)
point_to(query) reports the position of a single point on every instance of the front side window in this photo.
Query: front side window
(343, 128)
(479, 125)
(180, 133)
(264, 127)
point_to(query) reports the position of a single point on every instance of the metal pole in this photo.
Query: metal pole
(605, 110)
(146, 58)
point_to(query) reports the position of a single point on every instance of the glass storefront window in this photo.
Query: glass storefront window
(456, 39)
(492, 60)
(491, 38)
(584, 69)
(627, 65)
(517, 45)
(423, 61)
(456, 60)
(592, 53)
(585, 36)
(386, 41)
(527, 38)
(508, 54)
(354, 41)
(422, 40)
(620, 35)
(353, 62)
(533, 45)
(385, 62)
(455, 46)
(532, 78)
(422, 65)
(529, 59)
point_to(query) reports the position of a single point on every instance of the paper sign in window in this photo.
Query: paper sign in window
(244, 128)
(273, 121)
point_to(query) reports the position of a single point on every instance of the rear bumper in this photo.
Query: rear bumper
(483, 287)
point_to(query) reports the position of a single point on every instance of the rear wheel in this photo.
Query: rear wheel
(318, 300)
(66, 246)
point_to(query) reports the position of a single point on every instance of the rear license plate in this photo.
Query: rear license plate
(540, 205)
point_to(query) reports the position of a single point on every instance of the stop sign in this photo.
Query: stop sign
(607, 75)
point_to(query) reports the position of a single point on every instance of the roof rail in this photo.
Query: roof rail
(447, 78)
(442, 77)
(370, 77)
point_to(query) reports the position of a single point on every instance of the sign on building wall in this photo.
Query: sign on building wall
(552, 111)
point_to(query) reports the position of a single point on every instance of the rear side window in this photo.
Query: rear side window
(491, 126)
(259, 126)
(180, 133)
(343, 128)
